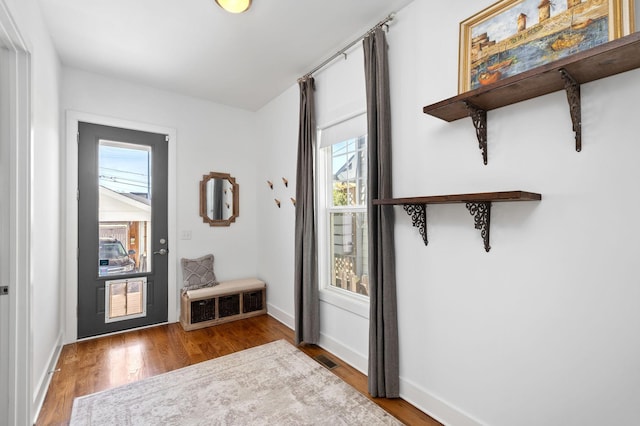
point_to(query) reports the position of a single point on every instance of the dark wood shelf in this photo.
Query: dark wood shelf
(481, 197)
(602, 61)
(478, 204)
(569, 73)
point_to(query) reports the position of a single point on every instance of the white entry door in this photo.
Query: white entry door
(4, 241)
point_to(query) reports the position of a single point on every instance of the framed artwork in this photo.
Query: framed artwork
(513, 36)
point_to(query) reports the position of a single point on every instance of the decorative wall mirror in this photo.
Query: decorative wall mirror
(219, 195)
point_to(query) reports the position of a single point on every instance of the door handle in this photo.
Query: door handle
(161, 252)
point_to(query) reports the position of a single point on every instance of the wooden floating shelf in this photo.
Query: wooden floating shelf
(569, 73)
(478, 204)
(464, 198)
(602, 61)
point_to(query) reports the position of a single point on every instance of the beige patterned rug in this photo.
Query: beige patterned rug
(272, 384)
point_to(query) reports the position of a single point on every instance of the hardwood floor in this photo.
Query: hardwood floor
(102, 363)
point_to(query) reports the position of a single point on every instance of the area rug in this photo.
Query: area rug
(272, 384)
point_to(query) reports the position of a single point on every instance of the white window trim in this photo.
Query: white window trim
(344, 299)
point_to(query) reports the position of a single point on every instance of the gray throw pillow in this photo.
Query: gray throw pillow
(198, 273)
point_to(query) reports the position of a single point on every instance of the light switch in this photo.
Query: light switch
(186, 235)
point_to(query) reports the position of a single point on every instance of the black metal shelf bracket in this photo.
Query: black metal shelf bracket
(573, 97)
(479, 118)
(481, 213)
(418, 213)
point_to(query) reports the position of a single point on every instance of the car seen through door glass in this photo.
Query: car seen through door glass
(114, 259)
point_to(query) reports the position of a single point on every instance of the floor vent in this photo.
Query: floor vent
(325, 361)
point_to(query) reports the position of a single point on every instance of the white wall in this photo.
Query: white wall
(45, 259)
(210, 137)
(278, 129)
(540, 330)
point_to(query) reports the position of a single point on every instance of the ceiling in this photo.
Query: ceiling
(195, 48)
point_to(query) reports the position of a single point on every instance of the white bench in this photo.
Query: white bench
(227, 301)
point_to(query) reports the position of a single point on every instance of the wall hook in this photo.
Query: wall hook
(285, 181)
(293, 201)
(277, 202)
(270, 184)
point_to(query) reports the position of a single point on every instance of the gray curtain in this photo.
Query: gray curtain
(307, 309)
(383, 322)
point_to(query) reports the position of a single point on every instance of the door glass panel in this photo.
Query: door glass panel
(124, 208)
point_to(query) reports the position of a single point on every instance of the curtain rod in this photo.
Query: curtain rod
(342, 51)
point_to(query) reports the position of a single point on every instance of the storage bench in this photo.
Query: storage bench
(227, 301)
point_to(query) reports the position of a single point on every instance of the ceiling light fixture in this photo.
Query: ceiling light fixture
(234, 6)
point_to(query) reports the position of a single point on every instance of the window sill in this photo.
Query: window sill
(351, 302)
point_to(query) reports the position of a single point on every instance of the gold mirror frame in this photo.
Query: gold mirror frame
(232, 202)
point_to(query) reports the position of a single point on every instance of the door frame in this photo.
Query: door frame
(71, 213)
(18, 352)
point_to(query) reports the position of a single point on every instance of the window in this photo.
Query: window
(345, 245)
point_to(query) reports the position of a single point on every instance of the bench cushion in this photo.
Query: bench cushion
(226, 287)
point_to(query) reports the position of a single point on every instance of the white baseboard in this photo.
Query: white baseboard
(345, 353)
(440, 410)
(281, 316)
(45, 379)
